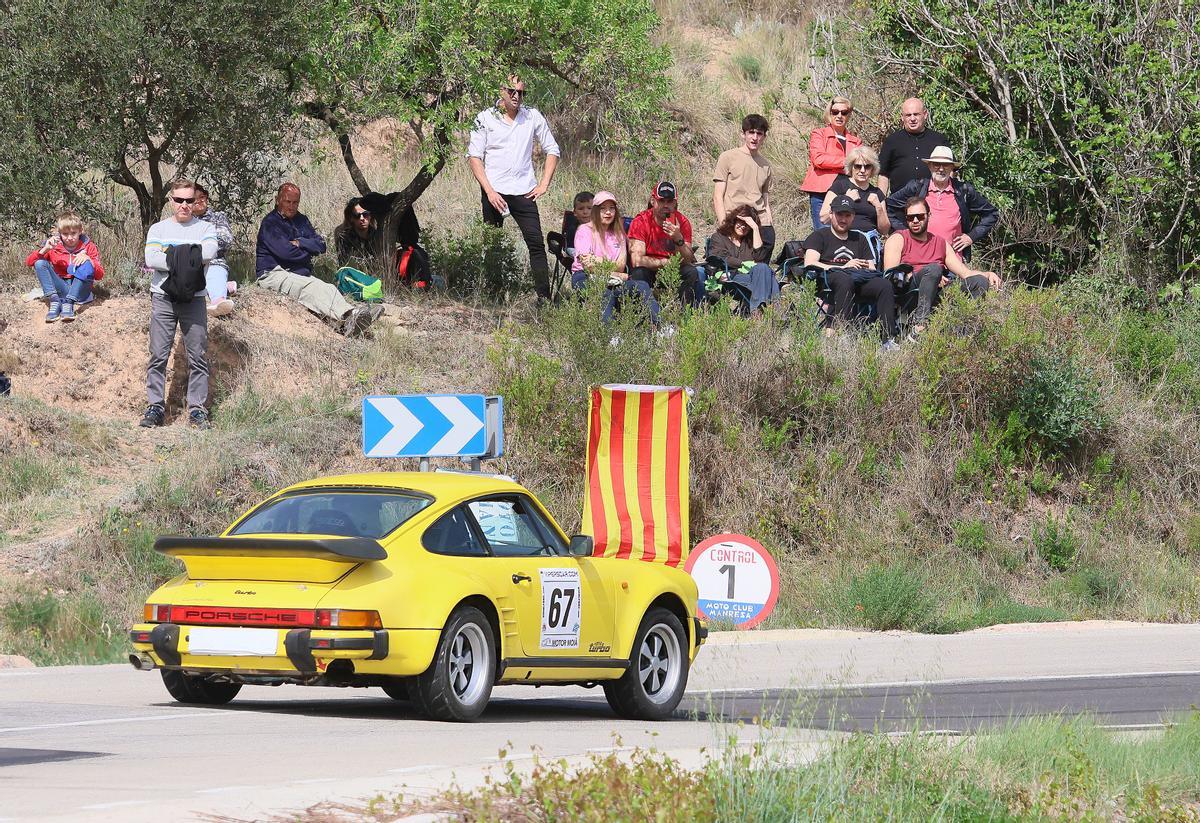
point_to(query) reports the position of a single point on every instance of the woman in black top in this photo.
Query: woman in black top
(870, 203)
(739, 257)
(357, 239)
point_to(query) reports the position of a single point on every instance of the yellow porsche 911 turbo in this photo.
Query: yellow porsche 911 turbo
(435, 586)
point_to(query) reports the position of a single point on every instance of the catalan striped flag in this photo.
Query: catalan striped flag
(636, 502)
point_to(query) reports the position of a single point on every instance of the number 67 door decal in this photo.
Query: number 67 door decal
(561, 608)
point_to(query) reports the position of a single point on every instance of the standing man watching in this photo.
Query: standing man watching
(182, 228)
(500, 152)
(658, 234)
(287, 243)
(900, 156)
(743, 178)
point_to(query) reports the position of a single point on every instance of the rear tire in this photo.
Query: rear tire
(397, 689)
(653, 684)
(198, 688)
(458, 683)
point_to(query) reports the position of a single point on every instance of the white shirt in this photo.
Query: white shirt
(506, 149)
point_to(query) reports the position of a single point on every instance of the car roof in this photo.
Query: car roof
(448, 484)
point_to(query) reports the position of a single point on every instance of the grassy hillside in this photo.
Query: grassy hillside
(1034, 457)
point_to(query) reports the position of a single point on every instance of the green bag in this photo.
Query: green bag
(358, 285)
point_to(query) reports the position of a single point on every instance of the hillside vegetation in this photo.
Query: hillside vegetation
(1036, 456)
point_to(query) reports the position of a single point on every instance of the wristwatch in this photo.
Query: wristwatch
(678, 242)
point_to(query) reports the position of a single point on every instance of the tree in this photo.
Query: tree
(431, 64)
(1088, 111)
(136, 93)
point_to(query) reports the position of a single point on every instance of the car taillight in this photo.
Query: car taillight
(155, 613)
(348, 619)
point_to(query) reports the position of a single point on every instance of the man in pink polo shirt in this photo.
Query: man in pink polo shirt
(958, 213)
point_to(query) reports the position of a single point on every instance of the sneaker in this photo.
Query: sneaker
(154, 417)
(221, 308)
(666, 332)
(55, 311)
(359, 318)
(890, 346)
(198, 419)
(68, 311)
(231, 287)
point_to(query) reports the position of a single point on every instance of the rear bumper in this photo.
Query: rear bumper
(297, 651)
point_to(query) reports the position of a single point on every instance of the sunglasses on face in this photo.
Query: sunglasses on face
(840, 112)
(916, 218)
(182, 200)
(863, 166)
(362, 215)
(515, 92)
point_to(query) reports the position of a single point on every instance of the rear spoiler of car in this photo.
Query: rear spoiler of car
(323, 548)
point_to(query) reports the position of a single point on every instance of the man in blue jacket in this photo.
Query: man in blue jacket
(287, 243)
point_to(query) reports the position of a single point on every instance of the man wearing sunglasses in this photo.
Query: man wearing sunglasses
(191, 318)
(933, 260)
(500, 153)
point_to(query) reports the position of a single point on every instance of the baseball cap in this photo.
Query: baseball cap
(664, 191)
(842, 204)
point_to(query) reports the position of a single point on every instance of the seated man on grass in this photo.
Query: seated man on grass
(658, 234)
(287, 243)
(934, 263)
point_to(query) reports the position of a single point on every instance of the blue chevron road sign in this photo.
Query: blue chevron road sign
(432, 425)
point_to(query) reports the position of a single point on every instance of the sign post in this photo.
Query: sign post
(433, 425)
(737, 579)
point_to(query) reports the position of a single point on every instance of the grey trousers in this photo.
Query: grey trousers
(192, 320)
(927, 279)
(313, 293)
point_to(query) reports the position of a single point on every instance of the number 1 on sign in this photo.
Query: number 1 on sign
(729, 567)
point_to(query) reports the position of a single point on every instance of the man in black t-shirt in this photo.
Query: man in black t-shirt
(902, 150)
(848, 263)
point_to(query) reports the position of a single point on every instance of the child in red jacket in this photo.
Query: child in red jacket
(66, 265)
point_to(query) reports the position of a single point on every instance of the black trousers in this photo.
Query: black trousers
(691, 287)
(767, 233)
(525, 212)
(877, 290)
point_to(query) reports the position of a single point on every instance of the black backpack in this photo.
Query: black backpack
(185, 273)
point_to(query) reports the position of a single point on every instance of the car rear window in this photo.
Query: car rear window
(343, 513)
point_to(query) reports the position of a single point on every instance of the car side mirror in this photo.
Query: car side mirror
(582, 545)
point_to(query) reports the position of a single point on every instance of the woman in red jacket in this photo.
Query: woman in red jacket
(827, 150)
(66, 265)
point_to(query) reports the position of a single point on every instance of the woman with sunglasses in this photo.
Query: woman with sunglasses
(357, 239)
(870, 203)
(827, 152)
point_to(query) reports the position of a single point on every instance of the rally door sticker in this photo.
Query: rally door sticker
(560, 608)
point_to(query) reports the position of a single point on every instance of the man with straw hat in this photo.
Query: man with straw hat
(958, 213)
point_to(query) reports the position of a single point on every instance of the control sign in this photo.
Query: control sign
(737, 579)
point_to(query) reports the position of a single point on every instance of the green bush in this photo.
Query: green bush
(1096, 586)
(481, 264)
(971, 536)
(1058, 402)
(748, 66)
(1055, 543)
(889, 597)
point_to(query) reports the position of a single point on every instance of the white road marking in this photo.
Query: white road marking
(108, 721)
(226, 789)
(413, 769)
(958, 681)
(511, 757)
(116, 804)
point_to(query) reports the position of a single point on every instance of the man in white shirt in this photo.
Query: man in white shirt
(191, 318)
(501, 156)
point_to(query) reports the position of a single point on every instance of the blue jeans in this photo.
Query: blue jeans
(630, 290)
(815, 201)
(216, 282)
(75, 290)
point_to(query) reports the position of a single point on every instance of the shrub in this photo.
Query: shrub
(890, 597)
(748, 66)
(1055, 543)
(971, 536)
(481, 264)
(1058, 402)
(1096, 586)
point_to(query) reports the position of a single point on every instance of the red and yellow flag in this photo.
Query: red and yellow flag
(636, 502)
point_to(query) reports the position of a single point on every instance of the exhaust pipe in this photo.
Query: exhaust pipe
(141, 662)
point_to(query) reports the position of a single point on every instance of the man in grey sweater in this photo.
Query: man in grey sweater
(191, 317)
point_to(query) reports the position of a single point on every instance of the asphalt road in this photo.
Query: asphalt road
(107, 743)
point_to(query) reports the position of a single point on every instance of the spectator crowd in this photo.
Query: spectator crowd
(891, 229)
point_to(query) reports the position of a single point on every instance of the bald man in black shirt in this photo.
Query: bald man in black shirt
(902, 150)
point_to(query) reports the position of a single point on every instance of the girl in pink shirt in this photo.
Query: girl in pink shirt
(602, 238)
